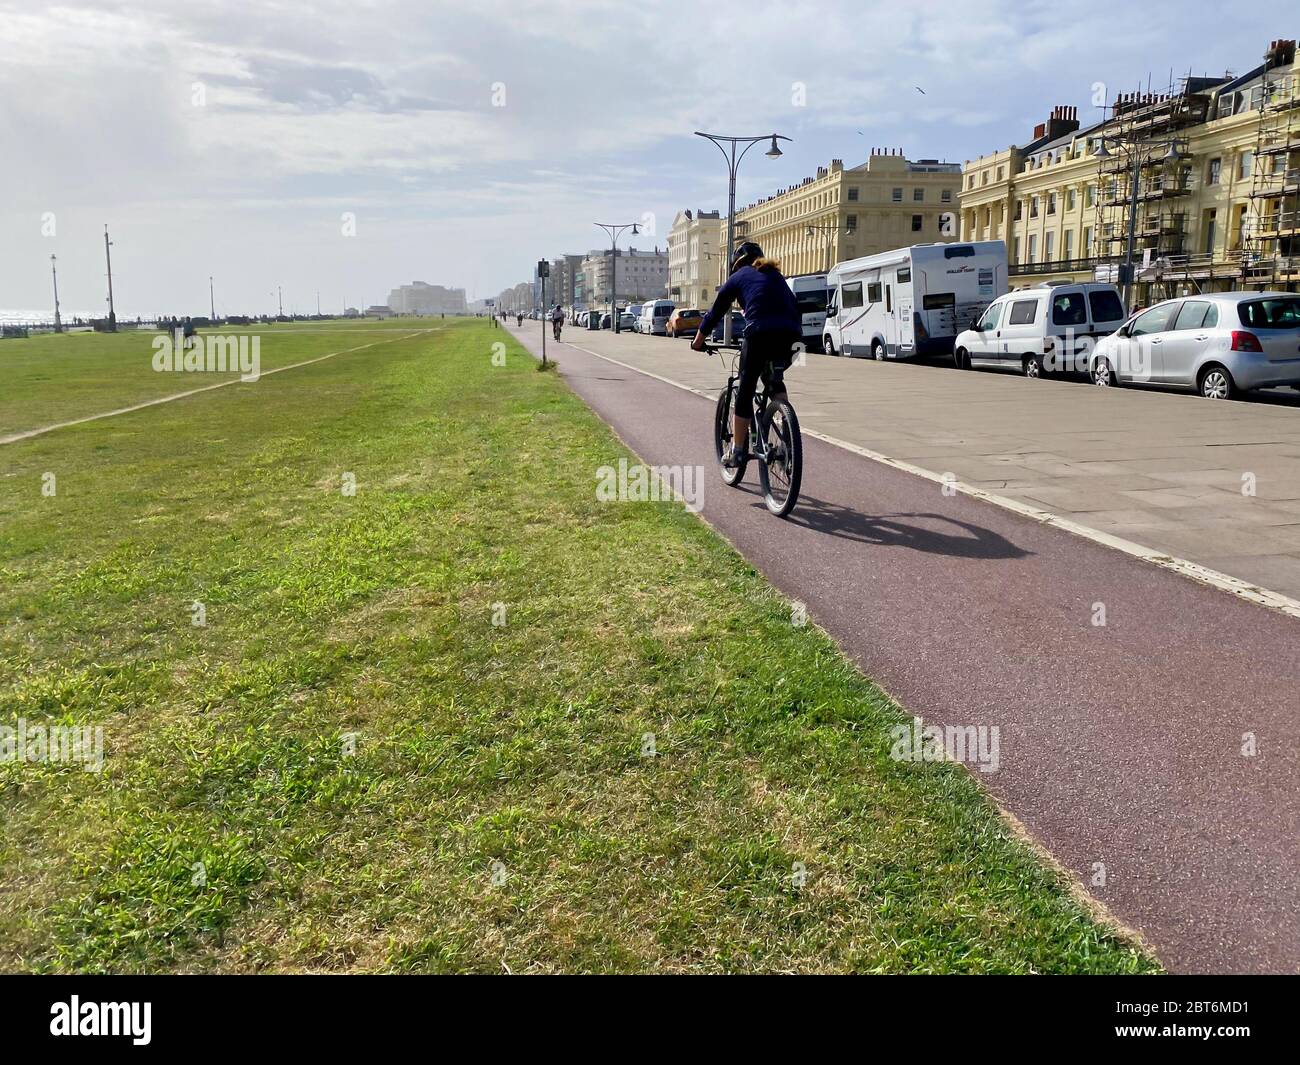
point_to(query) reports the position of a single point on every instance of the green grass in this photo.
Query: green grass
(480, 749)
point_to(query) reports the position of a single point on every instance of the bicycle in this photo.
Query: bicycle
(774, 441)
(555, 327)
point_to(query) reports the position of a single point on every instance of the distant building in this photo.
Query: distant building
(885, 203)
(419, 297)
(379, 310)
(695, 257)
(641, 275)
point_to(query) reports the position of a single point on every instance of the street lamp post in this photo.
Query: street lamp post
(614, 231)
(733, 162)
(108, 262)
(829, 243)
(54, 271)
(1137, 150)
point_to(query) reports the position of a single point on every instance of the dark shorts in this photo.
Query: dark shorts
(766, 356)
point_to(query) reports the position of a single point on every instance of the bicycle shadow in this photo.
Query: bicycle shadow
(973, 541)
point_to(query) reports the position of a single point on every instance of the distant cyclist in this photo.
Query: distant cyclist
(773, 325)
(557, 320)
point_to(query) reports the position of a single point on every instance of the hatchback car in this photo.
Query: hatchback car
(681, 322)
(1219, 343)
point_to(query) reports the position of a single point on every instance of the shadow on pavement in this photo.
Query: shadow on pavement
(972, 541)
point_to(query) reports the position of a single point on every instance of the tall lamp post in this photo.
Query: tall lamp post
(828, 230)
(108, 262)
(733, 162)
(1138, 150)
(54, 271)
(614, 233)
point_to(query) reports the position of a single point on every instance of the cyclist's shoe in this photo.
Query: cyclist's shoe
(734, 457)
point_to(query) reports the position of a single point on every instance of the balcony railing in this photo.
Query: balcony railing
(1057, 266)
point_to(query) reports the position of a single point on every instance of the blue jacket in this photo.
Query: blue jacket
(764, 296)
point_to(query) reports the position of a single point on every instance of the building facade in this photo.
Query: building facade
(887, 202)
(641, 275)
(694, 258)
(1204, 178)
(420, 297)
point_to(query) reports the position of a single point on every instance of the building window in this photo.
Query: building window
(984, 178)
(999, 173)
(1068, 249)
(970, 184)
(945, 196)
(1033, 207)
(1087, 241)
(1216, 166)
(1020, 211)
(918, 195)
(851, 222)
(897, 194)
(1015, 249)
(1090, 196)
(1049, 240)
(1033, 247)
(853, 195)
(1051, 203)
(1245, 164)
(1069, 199)
(917, 222)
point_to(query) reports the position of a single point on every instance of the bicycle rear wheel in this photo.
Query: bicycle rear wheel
(782, 474)
(722, 437)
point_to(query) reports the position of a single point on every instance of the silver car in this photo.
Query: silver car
(1219, 343)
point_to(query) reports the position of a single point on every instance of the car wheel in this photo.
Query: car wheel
(829, 347)
(962, 359)
(1217, 383)
(878, 351)
(1032, 366)
(1103, 375)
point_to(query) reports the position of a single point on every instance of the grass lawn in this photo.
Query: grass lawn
(351, 767)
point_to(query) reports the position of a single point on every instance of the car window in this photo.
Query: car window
(1156, 320)
(1278, 312)
(1069, 308)
(873, 292)
(1023, 312)
(1106, 306)
(990, 319)
(851, 295)
(905, 275)
(1192, 315)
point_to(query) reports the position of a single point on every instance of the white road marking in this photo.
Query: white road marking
(1184, 567)
(29, 433)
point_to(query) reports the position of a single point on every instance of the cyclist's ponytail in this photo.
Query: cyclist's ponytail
(763, 263)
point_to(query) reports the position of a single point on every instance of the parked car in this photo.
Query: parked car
(606, 321)
(683, 321)
(634, 309)
(654, 317)
(1219, 343)
(626, 320)
(1046, 328)
(737, 328)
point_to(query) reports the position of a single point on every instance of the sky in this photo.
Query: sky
(347, 148)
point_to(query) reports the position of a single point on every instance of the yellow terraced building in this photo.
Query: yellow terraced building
(887, 202)
(1217, 166)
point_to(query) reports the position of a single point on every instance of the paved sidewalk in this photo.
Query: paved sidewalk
(1164, 469)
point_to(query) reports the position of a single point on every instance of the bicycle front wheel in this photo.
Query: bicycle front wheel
(722, 437)
(781, 475)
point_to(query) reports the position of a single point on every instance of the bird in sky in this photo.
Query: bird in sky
(919, 89)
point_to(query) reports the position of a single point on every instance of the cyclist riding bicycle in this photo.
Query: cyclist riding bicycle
(557, 320)
(773, 325)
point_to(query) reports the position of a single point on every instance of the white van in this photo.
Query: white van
(1047, 328)
(654, 317)
(912, 301)
(810, 293)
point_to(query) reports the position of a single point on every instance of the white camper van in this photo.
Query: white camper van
(810, 293)
(654, 317)
(913, 301)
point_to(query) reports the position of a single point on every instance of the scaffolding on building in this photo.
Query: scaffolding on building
(1149, 135)
(1272, 229)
